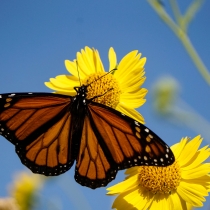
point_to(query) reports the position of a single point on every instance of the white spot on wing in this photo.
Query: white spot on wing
(147, 130)
(11, 95)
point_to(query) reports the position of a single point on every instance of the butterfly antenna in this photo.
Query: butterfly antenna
(103, 76)
(78, 73)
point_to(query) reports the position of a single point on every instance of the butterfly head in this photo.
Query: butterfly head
(81, 94)
(81, 91)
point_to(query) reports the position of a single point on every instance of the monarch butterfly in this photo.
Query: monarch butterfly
(51, 131)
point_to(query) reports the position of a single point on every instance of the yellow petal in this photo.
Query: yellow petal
(133, 104)
(112, 59)
(70, 92)
(132, 171)
(134, 198)
(198, 158)
(74, 69)
(140, 93)
(145, 200)
(204, 181)
(120, 203)
(134, 87)
(124, 185)
(132, 82)
(53, 87)
(177, 149)
(68, 80)
(139, 198)
(89, 61)
(134, 100)
(196, 189)
(176, 201)
(98, 63)
(190, 194)
(128, 59)
(127, 63)
(130, 113)
(59, 84)
(160, 202)
(196, 172)
(201, 181)
(189, 150)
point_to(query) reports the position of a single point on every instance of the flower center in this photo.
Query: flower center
(105, 87)
(160, 179)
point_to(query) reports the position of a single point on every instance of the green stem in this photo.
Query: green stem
(195, 57)
(176, 11)
(184, 39)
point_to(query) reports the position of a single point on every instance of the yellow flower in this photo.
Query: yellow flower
(182, 185)
(24, 189)
(120, 89)
(165, 93)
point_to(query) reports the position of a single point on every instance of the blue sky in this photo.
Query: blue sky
(37, 36)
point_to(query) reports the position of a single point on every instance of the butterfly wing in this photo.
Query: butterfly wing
(41, 128)
(93, 168)
(112, 141)
(39, 125)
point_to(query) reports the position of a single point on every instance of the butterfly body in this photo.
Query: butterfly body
(78, 111)
(51, 131)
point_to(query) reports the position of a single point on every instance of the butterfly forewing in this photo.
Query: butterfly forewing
(129, 142)
(39, 126)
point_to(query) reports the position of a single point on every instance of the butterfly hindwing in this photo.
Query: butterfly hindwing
(93, 165)
(39, 126)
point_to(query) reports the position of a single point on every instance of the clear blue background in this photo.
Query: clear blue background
(37, 36)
